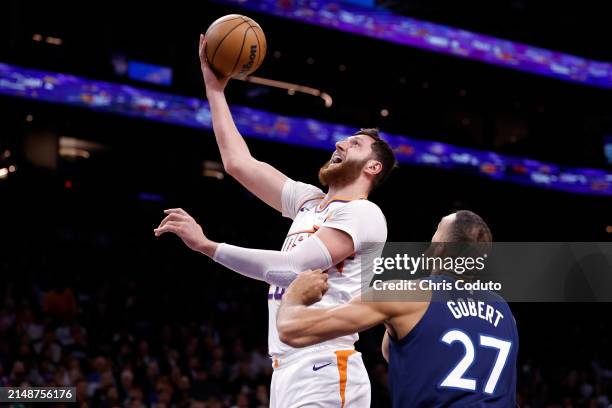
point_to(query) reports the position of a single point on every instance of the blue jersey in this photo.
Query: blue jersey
(462, 353)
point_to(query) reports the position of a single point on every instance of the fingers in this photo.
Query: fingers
(319, 273)
(172, 222)
(324, 284)
(165, 220)
(323, 287)
(176, 211)
(173, 217)
(321, 281)
(202, 50)
(170, 226)
(202, 46)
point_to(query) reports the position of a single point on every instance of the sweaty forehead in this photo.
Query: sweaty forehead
(363, 139)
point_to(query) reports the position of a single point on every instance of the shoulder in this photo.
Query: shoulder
(494, 297)
(295, 194)
(364, 208)
(367, 204)
(363, 218)
(305, 187)
(308, 194)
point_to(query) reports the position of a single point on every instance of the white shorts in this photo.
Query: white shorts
(320, 378)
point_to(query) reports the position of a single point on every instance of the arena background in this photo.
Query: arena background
(91, 298)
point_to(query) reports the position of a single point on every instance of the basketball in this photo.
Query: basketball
(235, 45)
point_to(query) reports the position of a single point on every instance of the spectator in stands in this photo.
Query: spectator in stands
(59, 303)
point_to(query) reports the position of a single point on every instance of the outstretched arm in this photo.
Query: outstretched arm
(301, 326)
(322, 250)
(258, 177)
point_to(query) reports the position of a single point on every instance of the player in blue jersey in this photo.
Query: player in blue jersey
(448, 348)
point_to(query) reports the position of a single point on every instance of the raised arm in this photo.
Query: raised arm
(258, 177)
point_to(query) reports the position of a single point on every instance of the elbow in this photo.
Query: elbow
(290, 341)
(237, 166)
(286, 333)
(231, 167)
(290, 336)
(294, 341)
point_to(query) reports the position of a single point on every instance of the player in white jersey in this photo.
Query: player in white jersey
(334, 231)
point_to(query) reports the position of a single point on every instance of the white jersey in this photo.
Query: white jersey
(360, 218)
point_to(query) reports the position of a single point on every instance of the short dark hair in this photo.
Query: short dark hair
(469, 227)
(383, 152)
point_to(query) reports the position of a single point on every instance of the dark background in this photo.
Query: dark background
(82, 230)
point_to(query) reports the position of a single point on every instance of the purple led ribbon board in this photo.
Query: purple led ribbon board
(385, 25)
(180, 110)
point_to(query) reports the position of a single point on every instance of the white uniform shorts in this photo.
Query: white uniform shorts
(320, 378)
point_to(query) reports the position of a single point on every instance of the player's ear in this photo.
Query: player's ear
(373, 167)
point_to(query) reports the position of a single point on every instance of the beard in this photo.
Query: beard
(342, 174)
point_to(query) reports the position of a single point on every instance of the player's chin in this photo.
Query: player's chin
(330, 167)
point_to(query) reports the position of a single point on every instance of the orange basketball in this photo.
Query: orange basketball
(235, 45)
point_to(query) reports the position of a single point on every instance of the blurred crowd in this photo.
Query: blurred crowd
(122, 344)
(71, 338)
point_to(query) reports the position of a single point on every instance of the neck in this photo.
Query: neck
(355, 190)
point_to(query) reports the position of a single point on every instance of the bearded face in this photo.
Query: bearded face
(341, 173)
